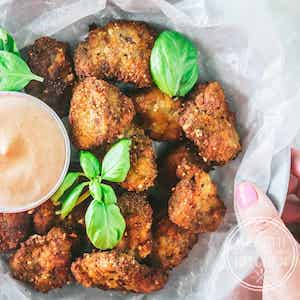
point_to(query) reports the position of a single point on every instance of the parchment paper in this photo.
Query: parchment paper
(252, 48)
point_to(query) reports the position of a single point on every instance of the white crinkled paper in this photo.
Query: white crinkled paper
(251, 47)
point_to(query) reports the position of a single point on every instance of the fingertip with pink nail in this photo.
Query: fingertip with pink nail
(245, 195)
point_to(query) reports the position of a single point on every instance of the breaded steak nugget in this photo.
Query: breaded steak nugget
(207, 121)
(45, 217)
(170, 163)
(159, 114)
(49, 59)
(194, 204)
(120, 50)
(82, 63)
(137, 212)
(143, 168)
(171, 244)
(99, 113)
(117, 270)
(44, 261)
(14, 228)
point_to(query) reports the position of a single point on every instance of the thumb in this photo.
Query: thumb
(272, 240)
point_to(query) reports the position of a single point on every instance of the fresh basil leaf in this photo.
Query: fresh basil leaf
(116, 162)
(89, 164)
(108, 194)
(105, 225)
(174, 63)
(96, 190)
(70, 201)
(14, 72)
(69, 180)
(7, 42)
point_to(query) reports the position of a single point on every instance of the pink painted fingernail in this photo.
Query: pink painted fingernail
(246, 195)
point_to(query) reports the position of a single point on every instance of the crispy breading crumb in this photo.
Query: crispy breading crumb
(99, 113)
(118, 271)
(143, 168)
(171, 244)
(159, 114)
(44, 261)
(169, 163)
(119, 50)
(137, 212)
(194, 204)
(45, 217)
(14, 228)
(49, 59)
(207, 121)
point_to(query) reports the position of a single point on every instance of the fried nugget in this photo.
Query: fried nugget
(194, 204)
(159, 114)
(49, 59)
(99, 113)
(143, 168)
(167, 178)
(137, 239)
(119, 271)
(170, 163)
(45, 217)
(171, 244)
(83, 66)
(120, 50)
(44, 261)
(14, 228)
(207, 121)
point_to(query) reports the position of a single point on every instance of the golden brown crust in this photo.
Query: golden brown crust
(82, 63)
(194, 204)
(143, 168)
(120, 50)
(137, 212)
(119, 271)
(171, 244)
(99, 113)
(45, 217)
(159, 114)
(168, 167)
(14, 228)
(49, 59)
(44, 261)
(207, 121)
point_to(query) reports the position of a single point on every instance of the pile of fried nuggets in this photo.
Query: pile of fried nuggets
(160, 232)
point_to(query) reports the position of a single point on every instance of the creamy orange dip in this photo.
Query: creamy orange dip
(32, 151)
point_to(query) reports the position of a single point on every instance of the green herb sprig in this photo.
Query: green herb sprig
(14, 71)
(104, 222)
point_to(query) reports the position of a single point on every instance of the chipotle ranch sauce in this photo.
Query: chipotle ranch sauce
(32, 151)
